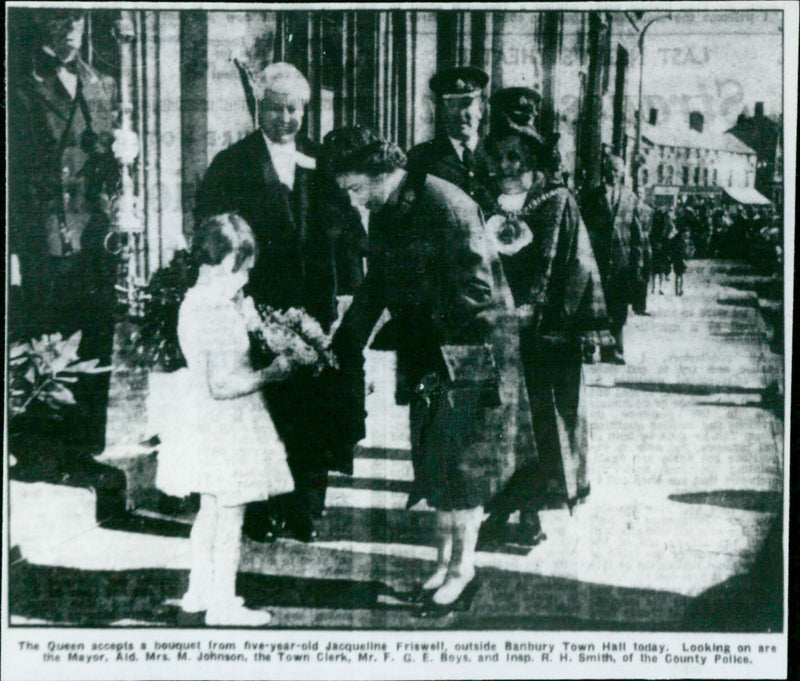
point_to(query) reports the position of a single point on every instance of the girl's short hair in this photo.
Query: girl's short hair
(219, 235)
(359, 150)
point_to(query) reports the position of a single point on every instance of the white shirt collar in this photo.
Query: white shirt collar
(285, 158)
(458, 145)
(68, 80)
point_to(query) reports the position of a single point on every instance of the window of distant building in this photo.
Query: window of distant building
(705, 177)
(670, 174)
(685, 175)
(697, 174)
(660, 173)
(714, 176)
(686, 152)
(645, 176)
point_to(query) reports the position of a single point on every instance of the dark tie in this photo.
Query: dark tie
(468, 159)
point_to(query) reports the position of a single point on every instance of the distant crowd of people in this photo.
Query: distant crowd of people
(711, 230)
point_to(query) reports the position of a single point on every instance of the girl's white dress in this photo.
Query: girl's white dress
(228, 448)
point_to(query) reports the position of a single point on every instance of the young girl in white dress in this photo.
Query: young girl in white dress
(221, 442)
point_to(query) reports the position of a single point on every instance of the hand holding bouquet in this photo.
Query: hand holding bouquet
(292, 334)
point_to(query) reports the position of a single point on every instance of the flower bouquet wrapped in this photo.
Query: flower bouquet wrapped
(291, 333)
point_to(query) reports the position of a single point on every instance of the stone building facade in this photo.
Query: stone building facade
(682, 162)
(365, 67)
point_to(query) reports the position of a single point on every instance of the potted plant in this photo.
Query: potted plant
(42, 372)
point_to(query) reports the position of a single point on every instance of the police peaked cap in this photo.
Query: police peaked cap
(460, 81)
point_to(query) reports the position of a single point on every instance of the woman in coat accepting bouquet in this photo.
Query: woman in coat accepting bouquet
(222, 443)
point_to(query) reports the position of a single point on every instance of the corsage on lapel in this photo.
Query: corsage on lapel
(510, 234)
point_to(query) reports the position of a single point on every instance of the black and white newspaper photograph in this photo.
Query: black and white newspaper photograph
(398, 340)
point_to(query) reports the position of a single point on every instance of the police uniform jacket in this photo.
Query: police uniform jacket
(438, 157)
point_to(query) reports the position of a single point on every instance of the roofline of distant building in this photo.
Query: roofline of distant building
(701, 143)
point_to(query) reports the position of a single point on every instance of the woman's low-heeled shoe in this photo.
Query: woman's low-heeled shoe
(418, 595)
(431, 609)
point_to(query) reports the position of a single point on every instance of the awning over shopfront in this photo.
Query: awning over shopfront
(748, 196)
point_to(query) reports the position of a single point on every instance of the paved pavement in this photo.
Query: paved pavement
(687, 478)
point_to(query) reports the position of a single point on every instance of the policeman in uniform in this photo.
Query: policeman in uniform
(457, 154)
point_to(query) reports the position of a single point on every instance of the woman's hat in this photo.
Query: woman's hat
(515, 110)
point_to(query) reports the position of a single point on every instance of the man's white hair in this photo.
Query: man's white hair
(281, 78)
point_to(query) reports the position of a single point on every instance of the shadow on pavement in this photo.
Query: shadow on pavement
(368, 525)
(739, 301)
(72, 597)
(752, 602)
(372, 484)
(686, 388)
(741, 499)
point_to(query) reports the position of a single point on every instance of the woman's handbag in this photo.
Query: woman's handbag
(473, 366)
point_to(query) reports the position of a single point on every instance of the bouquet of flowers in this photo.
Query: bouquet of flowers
(291, 333)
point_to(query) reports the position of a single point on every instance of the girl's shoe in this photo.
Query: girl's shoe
(234, 614)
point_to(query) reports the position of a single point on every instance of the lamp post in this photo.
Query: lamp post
(638, 144)
(127, 220)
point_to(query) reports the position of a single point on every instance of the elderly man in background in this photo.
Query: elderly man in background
(269, 178)
(613, 217)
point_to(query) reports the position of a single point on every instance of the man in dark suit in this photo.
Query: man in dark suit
(61, 173)
(269, 177)
(613, 217)
(456, 153)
